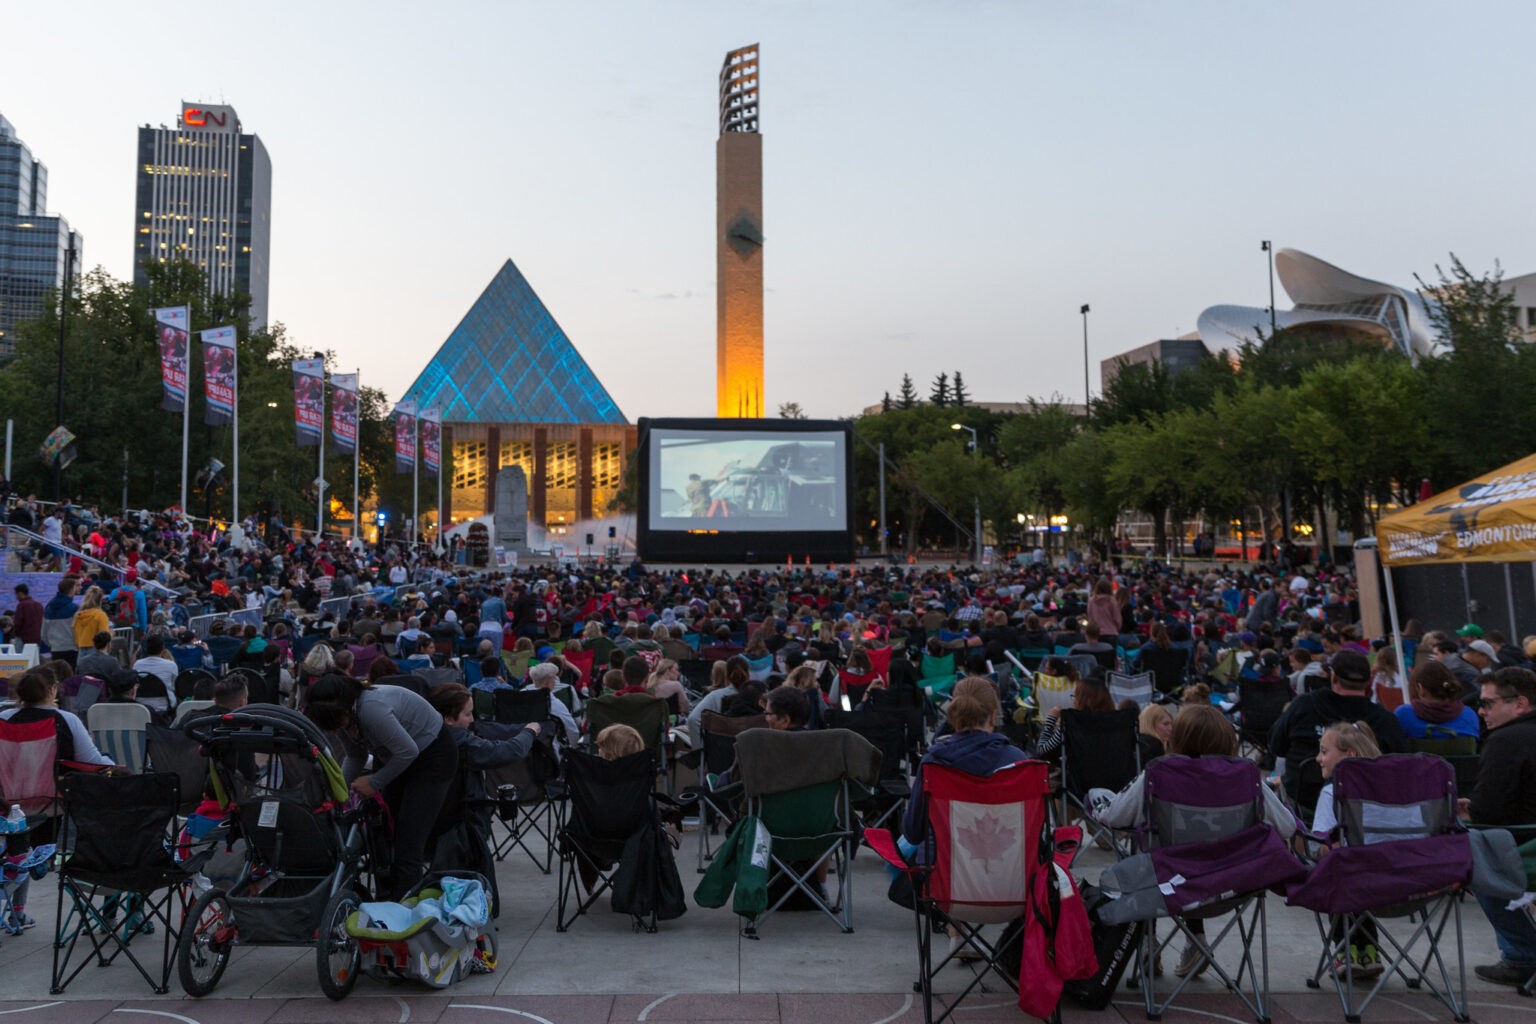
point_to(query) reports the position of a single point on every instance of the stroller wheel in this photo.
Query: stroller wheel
(202, 950)
(336, 952)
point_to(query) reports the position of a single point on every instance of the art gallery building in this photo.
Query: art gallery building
(515, 392)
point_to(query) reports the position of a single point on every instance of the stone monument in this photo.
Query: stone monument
(511, 512)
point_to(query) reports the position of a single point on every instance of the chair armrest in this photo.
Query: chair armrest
(883, 842)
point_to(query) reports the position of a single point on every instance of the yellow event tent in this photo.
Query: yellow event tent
(1488, 519)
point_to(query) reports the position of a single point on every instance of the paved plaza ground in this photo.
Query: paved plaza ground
(697, 968)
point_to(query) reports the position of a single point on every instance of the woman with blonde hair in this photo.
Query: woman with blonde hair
(665, 681)
(804, 678)
(90, 619)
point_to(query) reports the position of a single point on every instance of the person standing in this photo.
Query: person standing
(1505, 796)
(28, 619)
(59, 621)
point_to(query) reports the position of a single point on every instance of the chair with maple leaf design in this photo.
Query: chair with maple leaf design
(986, 838)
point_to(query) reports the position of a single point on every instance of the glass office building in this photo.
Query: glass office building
(204, 194)
(514, 391)
(32, 244)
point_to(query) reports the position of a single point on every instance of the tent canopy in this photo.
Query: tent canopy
(1489, 519)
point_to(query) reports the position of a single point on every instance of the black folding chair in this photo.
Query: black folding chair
(525, 795)
(118, 876)
(1169, 667)
(168, 749)
(1260, 703)
(609, 801)
(256, 688)
(187, 680)
(1098, 751)
(887, 729)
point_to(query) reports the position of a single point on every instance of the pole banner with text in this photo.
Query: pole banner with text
(344, 411)
(219, 375)
(431, 440)
(309, 400)
(171, 326)
(405, 436)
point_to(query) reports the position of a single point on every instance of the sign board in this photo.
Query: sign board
(209, 118)
(478, 545)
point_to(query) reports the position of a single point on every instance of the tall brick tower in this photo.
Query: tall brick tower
(739, 241)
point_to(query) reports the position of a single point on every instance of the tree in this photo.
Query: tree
(885, 403)
(907, 397)
(962, 397)
(791, 411)
(939, 396)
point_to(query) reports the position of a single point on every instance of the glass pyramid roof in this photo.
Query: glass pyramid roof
(509, 362)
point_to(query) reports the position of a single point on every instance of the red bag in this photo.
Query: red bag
(1058, 942)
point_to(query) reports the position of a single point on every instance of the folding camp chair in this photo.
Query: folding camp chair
(188, 679)
(1169, 666)
(886, 729)
(88, 694)
(851, 685)
(119, 876)
(1260, 703)
(647, 715)
(801, 787)
(526, 794)
(1195, 808)
(985, 836)
(937, 674)
(168, 749)
(1401, 853)
(257, 690)
(1099, 750)
(118, 731)
(609, 801)
(717, 734)
(1131, 687)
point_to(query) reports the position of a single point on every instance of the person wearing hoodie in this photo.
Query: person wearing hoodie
(972, 712)
(1435, 709)
(1296, 732)
(59, 621)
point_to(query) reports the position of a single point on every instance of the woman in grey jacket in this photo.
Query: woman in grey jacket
(415, 760)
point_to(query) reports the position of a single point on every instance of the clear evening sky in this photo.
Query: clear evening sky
(945, 183)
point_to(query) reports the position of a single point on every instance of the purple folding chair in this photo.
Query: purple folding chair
(1197, 808)
(1401, 854)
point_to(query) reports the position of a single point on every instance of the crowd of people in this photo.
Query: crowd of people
(327, 625)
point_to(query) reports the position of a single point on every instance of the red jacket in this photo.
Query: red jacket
(28, 620)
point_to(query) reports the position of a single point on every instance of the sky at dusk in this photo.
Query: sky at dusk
(945, 184)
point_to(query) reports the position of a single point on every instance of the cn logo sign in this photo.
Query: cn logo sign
(196, 118)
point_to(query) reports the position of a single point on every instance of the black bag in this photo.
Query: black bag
(646, 882)
(1115, 946)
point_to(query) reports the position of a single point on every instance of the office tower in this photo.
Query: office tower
(205, 196)
(32, 244)
(739, 241)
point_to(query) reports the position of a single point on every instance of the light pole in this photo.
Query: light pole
(1266, 247)
(1084, 311)
(976, 452)
(58, 395)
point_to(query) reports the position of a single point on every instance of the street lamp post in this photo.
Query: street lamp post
(1084, 311)
(976, 452)
(1266, 247)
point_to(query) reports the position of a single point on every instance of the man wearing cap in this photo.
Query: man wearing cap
(1505, 796)
(1295, 735)
(1471, 664)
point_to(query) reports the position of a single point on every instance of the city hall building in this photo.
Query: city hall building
(514, 391)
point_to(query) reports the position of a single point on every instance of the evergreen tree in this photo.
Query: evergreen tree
(961, 396)
(907, 397)
(940, 396)
(885, 403)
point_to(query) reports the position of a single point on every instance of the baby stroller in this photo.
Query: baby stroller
(311, 852)
(438, 934)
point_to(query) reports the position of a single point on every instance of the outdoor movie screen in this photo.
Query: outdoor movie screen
(736, 481)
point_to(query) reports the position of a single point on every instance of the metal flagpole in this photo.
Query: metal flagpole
(320, 480)
(416, 481)
(186, 427)
(234, 497)
(440, 494)
(357, 451)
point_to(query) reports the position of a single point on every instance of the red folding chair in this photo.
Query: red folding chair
(853, 684)
(975, 868)
(582, 662)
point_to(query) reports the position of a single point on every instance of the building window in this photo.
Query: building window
(560, 469)
(469, 474)
(607, 475)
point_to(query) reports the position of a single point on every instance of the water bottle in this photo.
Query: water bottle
(15, 821)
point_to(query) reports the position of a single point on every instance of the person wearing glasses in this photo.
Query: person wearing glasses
(1505, 796)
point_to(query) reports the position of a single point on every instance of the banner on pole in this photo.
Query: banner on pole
(219, 375)
(431, 440)
(171, 325)
(344, 411)
(405, 436)
(309, 400)
(60, 445)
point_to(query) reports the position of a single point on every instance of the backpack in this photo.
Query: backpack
(646, 883)
(127, 611)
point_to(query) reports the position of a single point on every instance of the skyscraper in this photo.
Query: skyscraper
(32, 244)
(205, 195)
(739, 241)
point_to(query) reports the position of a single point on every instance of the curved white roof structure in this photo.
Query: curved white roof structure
(1325, 294)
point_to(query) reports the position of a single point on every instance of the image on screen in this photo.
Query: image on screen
(757, 480)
